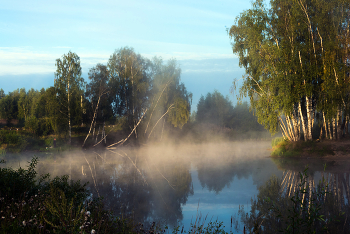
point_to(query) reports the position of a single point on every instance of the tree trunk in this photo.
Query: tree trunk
(296, 127)
(325, 125)
(329, 131)
(346, 127)
(290, 128)
(339, 125)
(302, 122)
(309, 118)
(334, 128)
(93, 122)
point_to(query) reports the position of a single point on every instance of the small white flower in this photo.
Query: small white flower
(87, 213)
(24, 223)
(93, 231)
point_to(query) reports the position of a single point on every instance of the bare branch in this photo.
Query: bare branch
(156, 104)
(124, 140)
(170, 107)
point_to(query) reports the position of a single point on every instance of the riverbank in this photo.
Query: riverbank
(314, 149)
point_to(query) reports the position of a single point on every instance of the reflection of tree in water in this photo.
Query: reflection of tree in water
(143, 189)
(295, 199)
(171, 185)
(215, 175)
(217, 172)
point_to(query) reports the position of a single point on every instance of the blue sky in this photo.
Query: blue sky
(35, 33)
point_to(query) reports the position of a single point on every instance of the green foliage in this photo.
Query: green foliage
(215, 109)
(16, 183)
(69, 87)
(31, 204)
(65, 216)
(295, 56)
(12, 141)
(9, 106)
(277, 140)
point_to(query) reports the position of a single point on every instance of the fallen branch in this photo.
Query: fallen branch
(124, 140)
(94, 117)
(156, 105)
(170, 107)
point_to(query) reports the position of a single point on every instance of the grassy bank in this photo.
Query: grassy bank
(281, 147)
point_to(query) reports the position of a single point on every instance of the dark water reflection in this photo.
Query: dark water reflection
(175, 183)
(312, 196)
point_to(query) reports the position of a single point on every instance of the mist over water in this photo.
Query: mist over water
(169, 183)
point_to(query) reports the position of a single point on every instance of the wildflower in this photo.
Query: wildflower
(3, 217)
(24, 223)
(93, 231)
(87, 213)
(81, 227)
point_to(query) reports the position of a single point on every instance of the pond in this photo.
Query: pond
(182, 184)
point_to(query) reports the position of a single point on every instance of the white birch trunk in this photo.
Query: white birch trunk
(329, 131)
(290, 129)
(325, 125)
(302, 122)
(309, 118)
(296, 127)
(339, 124)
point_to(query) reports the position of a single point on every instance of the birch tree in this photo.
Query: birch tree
(294, 56)
(129, 79)
(69, 85)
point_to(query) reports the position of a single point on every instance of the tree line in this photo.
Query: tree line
(218, 110)
(126, 90)
(297, 61)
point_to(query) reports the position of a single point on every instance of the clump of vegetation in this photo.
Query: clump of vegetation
(42, 205)
(281, 147)
(12, 141)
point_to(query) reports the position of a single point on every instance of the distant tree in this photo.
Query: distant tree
(243, 119)
(98, 88)
(129, 82)
(53, 113)
(2, 93)
(9, 105)
(69, 86)
(170, 100)
(215, 109)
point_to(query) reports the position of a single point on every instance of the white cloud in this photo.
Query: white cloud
(26, 60)
(21, 60)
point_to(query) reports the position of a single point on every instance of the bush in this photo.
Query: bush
(32, 204)
(277, 140)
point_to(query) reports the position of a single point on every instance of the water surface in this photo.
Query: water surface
(177, 184)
